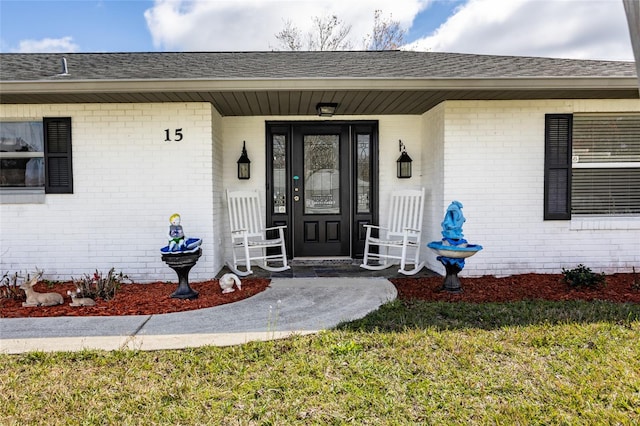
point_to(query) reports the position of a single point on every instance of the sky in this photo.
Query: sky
(578, 29)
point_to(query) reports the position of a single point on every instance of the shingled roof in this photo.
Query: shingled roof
(256, 83)
(295, 65)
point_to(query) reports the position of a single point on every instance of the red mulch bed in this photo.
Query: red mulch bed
(618, 288)
(148, 299)
(135, 299)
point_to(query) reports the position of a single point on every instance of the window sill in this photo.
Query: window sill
(605, 223)
(22, 196)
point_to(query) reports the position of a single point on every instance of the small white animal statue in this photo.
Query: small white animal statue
(226, 283)
(39, 299)
(80, 301)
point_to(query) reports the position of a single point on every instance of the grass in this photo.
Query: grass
(408, 363)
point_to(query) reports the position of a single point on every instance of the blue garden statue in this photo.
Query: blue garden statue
(453, 248)
(452, 223)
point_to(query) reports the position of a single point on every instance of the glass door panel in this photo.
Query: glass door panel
(279, 151)
(321, 174)
(363, 173)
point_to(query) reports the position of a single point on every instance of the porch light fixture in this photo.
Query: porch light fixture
(326, 109)
(244, 164)
(403, 162)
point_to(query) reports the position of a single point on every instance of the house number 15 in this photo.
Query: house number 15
(177, 135)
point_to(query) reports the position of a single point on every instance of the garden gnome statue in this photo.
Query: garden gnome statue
(177, 242)
(181, 254)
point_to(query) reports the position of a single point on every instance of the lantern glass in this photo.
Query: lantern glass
(404, 166)
(244, 164)
(244, 171)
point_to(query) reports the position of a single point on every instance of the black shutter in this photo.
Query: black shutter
(557, 166)
(57, 154)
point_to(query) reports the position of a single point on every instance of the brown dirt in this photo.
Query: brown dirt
(618, 288)
(154, 298)
(135, 299)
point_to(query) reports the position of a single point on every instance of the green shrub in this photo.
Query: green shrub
(97, 286)
(582, 276)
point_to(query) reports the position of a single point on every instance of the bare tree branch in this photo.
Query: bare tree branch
(328, 33)
(387, 34)
(290, 37)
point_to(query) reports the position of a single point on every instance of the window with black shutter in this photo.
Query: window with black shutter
(557, 167)
(606, 164)
(57, 148)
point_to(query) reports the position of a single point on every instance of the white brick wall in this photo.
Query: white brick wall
(218, 208)
(433, 181)
(127, 182)
(494, 165)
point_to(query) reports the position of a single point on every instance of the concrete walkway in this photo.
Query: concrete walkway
(289, 306)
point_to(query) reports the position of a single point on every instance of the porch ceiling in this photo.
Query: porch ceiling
(302, 102)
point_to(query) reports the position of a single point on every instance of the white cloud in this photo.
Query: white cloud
(47, 45)
(581, 29)
(237, 25)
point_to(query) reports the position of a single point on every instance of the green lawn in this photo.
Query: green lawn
(408, 363)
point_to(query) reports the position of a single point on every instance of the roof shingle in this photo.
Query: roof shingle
(298, 65)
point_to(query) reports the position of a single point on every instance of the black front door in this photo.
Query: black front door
(321, 184)
(321, 207)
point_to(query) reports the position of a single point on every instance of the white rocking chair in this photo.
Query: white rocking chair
(249, 238)
(400, 237)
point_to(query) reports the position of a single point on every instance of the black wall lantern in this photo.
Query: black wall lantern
(244, 164)
(404, 162)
